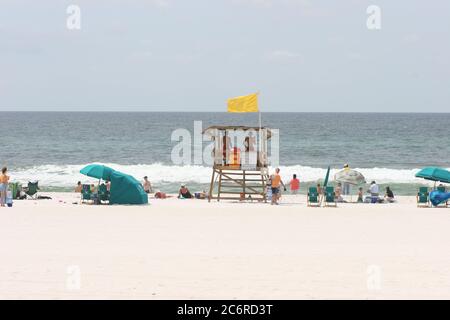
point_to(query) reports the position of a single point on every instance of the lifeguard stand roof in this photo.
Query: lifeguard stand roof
(243, 128)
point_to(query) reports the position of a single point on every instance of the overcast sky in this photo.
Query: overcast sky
(155, 55)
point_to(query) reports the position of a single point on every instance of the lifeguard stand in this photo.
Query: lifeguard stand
(240, 162)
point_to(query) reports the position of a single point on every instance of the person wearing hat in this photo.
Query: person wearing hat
(147, 185)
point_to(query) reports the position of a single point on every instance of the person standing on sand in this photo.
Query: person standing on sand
(4, 178)
(294, 184)
(147, 185)
(276, 183)
(360, 195)
(79, 187)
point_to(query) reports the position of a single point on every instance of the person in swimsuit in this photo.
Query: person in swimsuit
(147, 185)
(79, 187)
(4, 178)
(294, 184)
(184, 193)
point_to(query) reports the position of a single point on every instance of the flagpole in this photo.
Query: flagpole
(259, 113)
(260, 136)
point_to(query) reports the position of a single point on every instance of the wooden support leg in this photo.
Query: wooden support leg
(263, 184)
(243, 186)
(211, 187)
(220, 185)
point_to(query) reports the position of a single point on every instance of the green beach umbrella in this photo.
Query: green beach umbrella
(327, 176)
(434, 174)
(98, 171)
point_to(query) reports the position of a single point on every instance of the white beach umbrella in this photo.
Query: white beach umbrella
(350, 176)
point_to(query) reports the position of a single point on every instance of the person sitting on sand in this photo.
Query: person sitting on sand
(184, 193)
(79, 187)
(147, 185)
(389, 195)
(93, 188)
(360, 195)
(294, 184)
(108, 185)
(374, 191)
(4, 178)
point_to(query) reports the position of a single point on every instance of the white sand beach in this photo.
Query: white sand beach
(192, 249)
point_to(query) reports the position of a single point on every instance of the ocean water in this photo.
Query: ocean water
(53, 146)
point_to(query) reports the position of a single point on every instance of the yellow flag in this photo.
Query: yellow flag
(244, 104)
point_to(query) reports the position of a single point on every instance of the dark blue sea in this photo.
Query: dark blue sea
(53, 146)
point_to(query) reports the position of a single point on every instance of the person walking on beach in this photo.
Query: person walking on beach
(4, 178)
(276, 183)
(294, 184)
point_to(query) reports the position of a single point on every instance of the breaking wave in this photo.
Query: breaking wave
(68, 175)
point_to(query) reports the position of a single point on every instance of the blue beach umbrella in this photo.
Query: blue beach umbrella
(98, 171)
(434, 174)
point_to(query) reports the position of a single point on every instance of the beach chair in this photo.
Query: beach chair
(103, 194)
(32, 189)
(313, 197)
(86, 194)
(15, 189)
(423, 197)
(329, 198)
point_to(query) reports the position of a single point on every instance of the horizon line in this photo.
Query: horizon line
(184, 111)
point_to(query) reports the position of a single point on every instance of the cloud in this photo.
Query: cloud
(271, 3)
(160, 3)
(411, 38)
(283, 55)
(355, 56)
(302, 7)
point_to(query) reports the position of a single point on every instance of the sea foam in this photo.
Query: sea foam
(68, 175)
